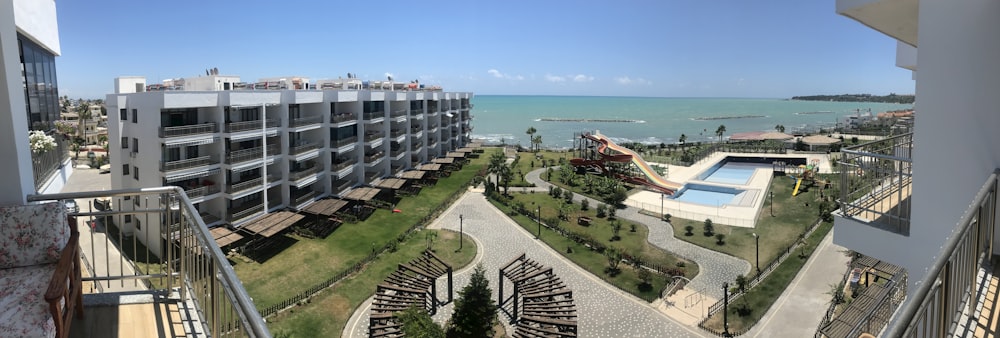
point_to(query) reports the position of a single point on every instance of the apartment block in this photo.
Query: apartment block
(240, 153)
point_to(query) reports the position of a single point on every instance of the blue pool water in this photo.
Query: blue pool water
(706, 194)
(732, 172)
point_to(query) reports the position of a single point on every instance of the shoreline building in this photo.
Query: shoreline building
(240, 153)
(925, 202)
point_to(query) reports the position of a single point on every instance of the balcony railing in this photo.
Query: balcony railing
(949, 287)
(373, 115)
(235, 127)
(299, 174)
(343, 117)
(369, 158)
(191, 270)
(373, 136)
(305, 197)
(875, 181)
(238, 187)
(398, 113)
(394, 133)
(166, 166)
(48, 163)
(202, 191)
(194, 129)
(340, 185)
(305, 121)
(343, 142)
(302, 147)
(251, 154)
(340, 165)
(243, 212)
(416, 112)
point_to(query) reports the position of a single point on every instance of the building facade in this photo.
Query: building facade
(241, 153)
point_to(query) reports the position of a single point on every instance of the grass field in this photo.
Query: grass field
(327, 313)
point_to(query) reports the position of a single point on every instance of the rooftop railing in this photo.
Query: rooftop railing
(167, 166)
(191, 270)
(187, 130)
(949, 287)
(875, 181)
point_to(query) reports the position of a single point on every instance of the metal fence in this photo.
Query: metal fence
(875, 181)
(44, 165)
(190, 267)
(676, 211)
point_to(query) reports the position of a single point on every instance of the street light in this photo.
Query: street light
(772, 203)
(661, 206)
(757, 246)
(461, 232)
(539, 218)
(725, 309)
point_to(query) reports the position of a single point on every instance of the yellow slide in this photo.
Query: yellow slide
(797, 184)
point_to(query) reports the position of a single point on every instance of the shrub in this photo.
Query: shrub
(689, 230)
(602, 210)
(709, 228)
(584, 205)
(720, 239)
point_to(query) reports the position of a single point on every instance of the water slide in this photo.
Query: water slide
(652, 180)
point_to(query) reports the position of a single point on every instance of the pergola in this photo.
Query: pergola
(412, 284)
(389, 183)
(546, 304)
(271, 224)
(362, 194)
(325, 212)
(223, 236)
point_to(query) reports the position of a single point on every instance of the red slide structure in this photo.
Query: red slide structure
(624, 155)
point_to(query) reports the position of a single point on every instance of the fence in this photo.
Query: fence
(48, 163)
(391, 245)
(764, 272)
(691, 215)
(828, 316)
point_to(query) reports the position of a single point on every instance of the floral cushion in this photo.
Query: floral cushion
(22, 302)
(32, 234)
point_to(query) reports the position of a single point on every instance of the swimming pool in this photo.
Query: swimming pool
(707, 194)
(736, 170)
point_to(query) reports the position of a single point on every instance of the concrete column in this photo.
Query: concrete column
(16, 166)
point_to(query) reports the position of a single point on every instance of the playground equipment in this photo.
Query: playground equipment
(808, 174)
(600, 160)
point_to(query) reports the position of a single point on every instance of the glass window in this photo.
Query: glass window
(124, 169)
(135, 175)
(124, 114)
(124, 143)
(135, 115)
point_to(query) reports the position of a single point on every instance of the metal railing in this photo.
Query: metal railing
(192, 269)
(394, 133)
(302, 147)
(194, 129)
(875, 182)
(249, 184)
(374, 156)
(340, 165)
(251, 154)
(233, 216)
(343, 117)
(166, 166)
(373, 115)
(373, 136)
(235, 127)
(305, 121)
(340, 186)
(950, 284)
(299, 174)
(202, 191)
(416, 111)
(44, 165)
(398, 113)
(305, 197)
(343, 142)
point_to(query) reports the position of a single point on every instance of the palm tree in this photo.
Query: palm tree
(779, 128)
(531, 133)
(683, 140)
(497, 161)
(720, 131)
(536, 142)
(83, 111)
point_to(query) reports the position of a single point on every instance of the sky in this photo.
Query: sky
(664, 48)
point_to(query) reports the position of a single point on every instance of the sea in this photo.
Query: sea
(505, 118)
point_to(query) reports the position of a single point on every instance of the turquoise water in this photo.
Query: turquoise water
(664, 119)
(733, 172)
(706, 195)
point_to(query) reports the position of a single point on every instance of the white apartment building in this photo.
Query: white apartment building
(240, 153)
(926, 201)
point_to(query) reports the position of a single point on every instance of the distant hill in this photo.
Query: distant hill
(891, 98)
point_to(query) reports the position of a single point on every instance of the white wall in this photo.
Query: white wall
(127, 84)
(18, 173)
(36, 19)
(956, 138)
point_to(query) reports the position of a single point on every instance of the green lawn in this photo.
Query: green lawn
(530, 161)
(792, 216)
(327, 313)
(760, 299)
(634, 243)
(308, 262)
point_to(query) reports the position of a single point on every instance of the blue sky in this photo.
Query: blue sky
(737, 48)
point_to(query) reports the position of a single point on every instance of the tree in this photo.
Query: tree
(536, 142)
(741, 283)
(418, 323)
(720, 131)
(709, 228)
(683, 141)
(497, 161)
(584, 204)
(431, 236)
(474, 309)
(689, 230)
(645, 276)
(614, 259)
(720, 239)
(505, 175)
(531, 134)
(616, 227)
(779, 128)
(601, 210)
(83, 111)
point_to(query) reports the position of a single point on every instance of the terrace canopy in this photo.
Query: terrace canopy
(445, 160)
(327, 207)
(455, 154)
(362, 194)
(389, 183)
(272, 223)
(429, 167)
(223, 236)
(464, 150)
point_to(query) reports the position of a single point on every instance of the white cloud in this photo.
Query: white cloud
(554, 78)
(625, 80)
(495, 73)
(500, 75)
(583, 78)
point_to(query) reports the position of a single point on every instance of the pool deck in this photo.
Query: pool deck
(727, 214)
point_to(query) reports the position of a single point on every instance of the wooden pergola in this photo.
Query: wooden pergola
(364, 201)
(325, 216)
(547, 308)
(224, 237)
(272, 224)
(412, 284)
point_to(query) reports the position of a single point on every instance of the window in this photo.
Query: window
(136, 199)
(125, 170)
(135, 175)
(124, 142)
(135, 145)
(124, 114)
(138, 225)
(128, 218)
(135, 115)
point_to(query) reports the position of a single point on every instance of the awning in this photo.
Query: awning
(389, 183)
(412, 175)
(223, 236)
(190, 175)
(446, 160)
(430, 167)
(362, 194)
(272, 223)
(327, 207)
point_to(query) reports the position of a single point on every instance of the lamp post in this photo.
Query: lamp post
(757, 246)
(661, 206)
(725, 309)
(772, 203)
(461, 232)
(539, 218)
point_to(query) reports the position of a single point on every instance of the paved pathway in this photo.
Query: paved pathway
(715, 267)
(603, 310)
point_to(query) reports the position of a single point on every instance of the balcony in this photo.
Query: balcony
(302, 198)
(397, 153)
(397, 133)
(248, 185)
(251, 154)
(195, 277)
(242, 126)
(416, 112)
(373, 159)
(243, 212)
(371, 138)
(339, 186)
(296, 175)
(305, 121)
(303, 147)
(374, 116)
(168, 166)
(342, 163)
(397, 114)
(188, 130)
(876, 182)
(197, 193)
(343, 118)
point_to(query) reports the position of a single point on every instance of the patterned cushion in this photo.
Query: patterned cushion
(22, 302)
(32, 234)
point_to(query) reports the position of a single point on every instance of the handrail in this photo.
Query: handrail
(233, 127)
(304, 121)
(191, 129)
(245, 309)
(188, 163)
(904, 325)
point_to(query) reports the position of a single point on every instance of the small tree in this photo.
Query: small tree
(616, 227)
(644, 276)
(741, 283)
(720, 239)
(431, 237)
(601, 210)
(611, 211)
(474, 309)
(614, 259)
(666, 218)
(568, 195)
(689, 230)
(584, 204)
(709, 228)
(418, 323)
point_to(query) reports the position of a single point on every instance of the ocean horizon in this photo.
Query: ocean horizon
(650, 120)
